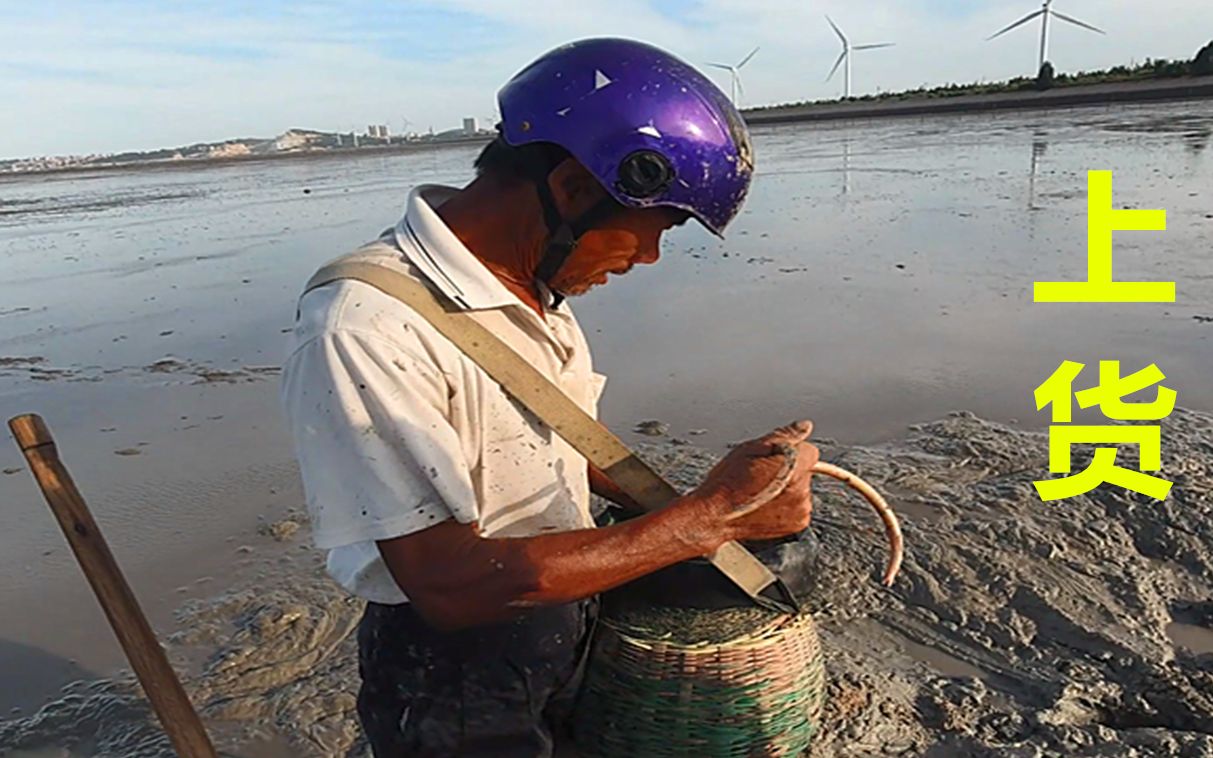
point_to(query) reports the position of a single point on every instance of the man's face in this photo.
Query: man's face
(629, 237)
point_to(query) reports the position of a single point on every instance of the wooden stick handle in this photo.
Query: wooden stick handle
(142, 649)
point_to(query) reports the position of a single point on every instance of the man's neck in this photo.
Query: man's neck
(485, 217)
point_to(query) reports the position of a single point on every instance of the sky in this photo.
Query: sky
(98, 76)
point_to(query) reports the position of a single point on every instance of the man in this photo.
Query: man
(461, 519)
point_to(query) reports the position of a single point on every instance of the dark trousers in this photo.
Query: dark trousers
(504, 690)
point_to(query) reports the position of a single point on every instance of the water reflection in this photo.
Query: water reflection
(846, 165)
(1039, 146)
(1197, 141)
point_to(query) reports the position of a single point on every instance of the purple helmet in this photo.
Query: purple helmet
(652, 129)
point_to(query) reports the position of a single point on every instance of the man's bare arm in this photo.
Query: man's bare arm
(456, 578)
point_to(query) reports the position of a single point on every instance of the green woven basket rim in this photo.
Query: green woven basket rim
(763, 636)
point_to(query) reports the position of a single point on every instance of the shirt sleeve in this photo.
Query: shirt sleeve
(377, 453)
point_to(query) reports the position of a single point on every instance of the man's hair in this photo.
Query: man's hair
(506, 161)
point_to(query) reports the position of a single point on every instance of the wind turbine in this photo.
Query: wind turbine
(1045, 11)
(847, 49)
(734, 75)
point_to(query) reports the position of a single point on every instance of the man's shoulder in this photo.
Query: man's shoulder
(384, 251)
(352, 305)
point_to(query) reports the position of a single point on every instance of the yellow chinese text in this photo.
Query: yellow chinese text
(1102, 220)
(1057, 392)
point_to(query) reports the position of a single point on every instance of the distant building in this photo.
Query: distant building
(298, 139)
(458, 133)
(470, 127)
(228, 150)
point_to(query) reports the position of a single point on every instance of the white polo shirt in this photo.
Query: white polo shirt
(396, 430)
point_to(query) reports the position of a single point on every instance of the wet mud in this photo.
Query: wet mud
(1016, 628)
(196, 372)
(16, 210)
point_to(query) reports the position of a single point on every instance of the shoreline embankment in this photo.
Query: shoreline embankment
(1187, 88)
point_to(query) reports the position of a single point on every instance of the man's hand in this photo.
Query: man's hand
(760, 490)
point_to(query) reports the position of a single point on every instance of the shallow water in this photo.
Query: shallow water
(880, 275)
(942, 662)
(1196, 639)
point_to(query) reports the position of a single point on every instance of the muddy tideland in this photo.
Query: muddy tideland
(1017, 628)
(879, 276)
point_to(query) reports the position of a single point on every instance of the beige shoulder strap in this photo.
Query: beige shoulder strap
(554, 408)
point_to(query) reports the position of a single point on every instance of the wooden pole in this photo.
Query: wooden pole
(142, 649)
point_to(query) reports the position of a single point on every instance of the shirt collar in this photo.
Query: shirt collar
(431, 246)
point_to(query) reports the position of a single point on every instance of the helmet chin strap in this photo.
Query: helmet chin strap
(564, 234)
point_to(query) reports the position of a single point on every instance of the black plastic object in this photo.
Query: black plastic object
(698, 584)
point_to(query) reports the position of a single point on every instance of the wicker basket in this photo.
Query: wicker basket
(759, 693)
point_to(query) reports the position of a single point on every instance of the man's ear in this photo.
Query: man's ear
(574, 188)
